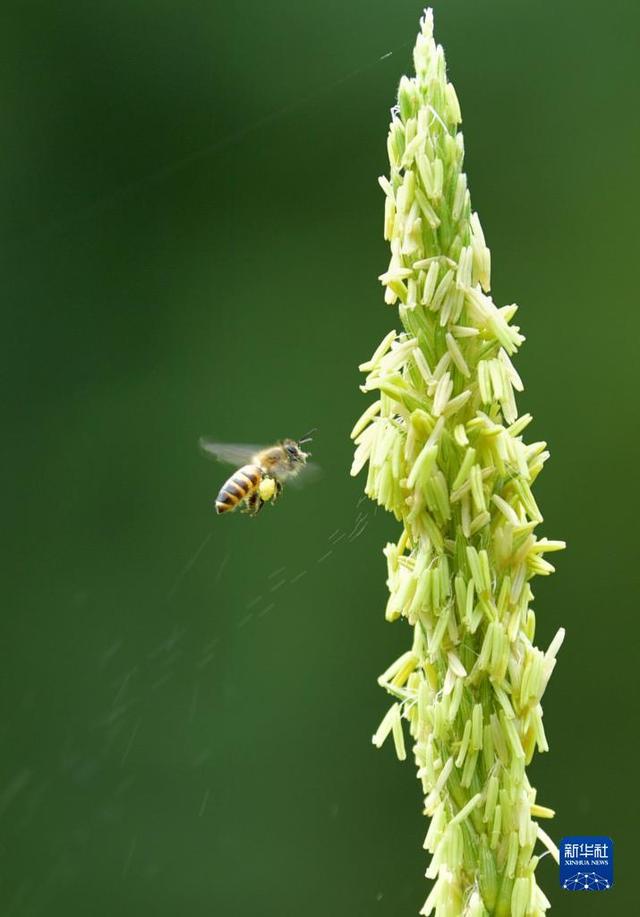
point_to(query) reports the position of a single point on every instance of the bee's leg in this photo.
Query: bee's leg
(277, 491)
(254, 504)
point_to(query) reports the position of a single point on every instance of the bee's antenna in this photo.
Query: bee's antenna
(307, 436)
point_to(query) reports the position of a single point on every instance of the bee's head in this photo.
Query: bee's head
(295, 455)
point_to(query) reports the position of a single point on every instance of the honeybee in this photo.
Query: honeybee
(262, 472)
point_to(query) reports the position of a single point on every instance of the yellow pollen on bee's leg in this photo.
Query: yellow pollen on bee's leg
(267, 489)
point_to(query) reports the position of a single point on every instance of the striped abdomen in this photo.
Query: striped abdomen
(240, 485)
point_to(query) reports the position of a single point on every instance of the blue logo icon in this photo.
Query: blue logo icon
(586, 863)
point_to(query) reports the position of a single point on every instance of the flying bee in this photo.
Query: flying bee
(262, 472)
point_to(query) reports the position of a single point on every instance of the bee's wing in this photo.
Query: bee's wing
(232, 453)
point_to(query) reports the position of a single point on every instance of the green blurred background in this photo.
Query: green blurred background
(191, 236)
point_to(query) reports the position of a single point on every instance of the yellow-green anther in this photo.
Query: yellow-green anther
(492, 796)
(476, 728)
(496, 827)
(464, 744)
(512, 855)
(466, 810)
(445, 454)
(469, 769)
(521, 897)
(542, 811)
